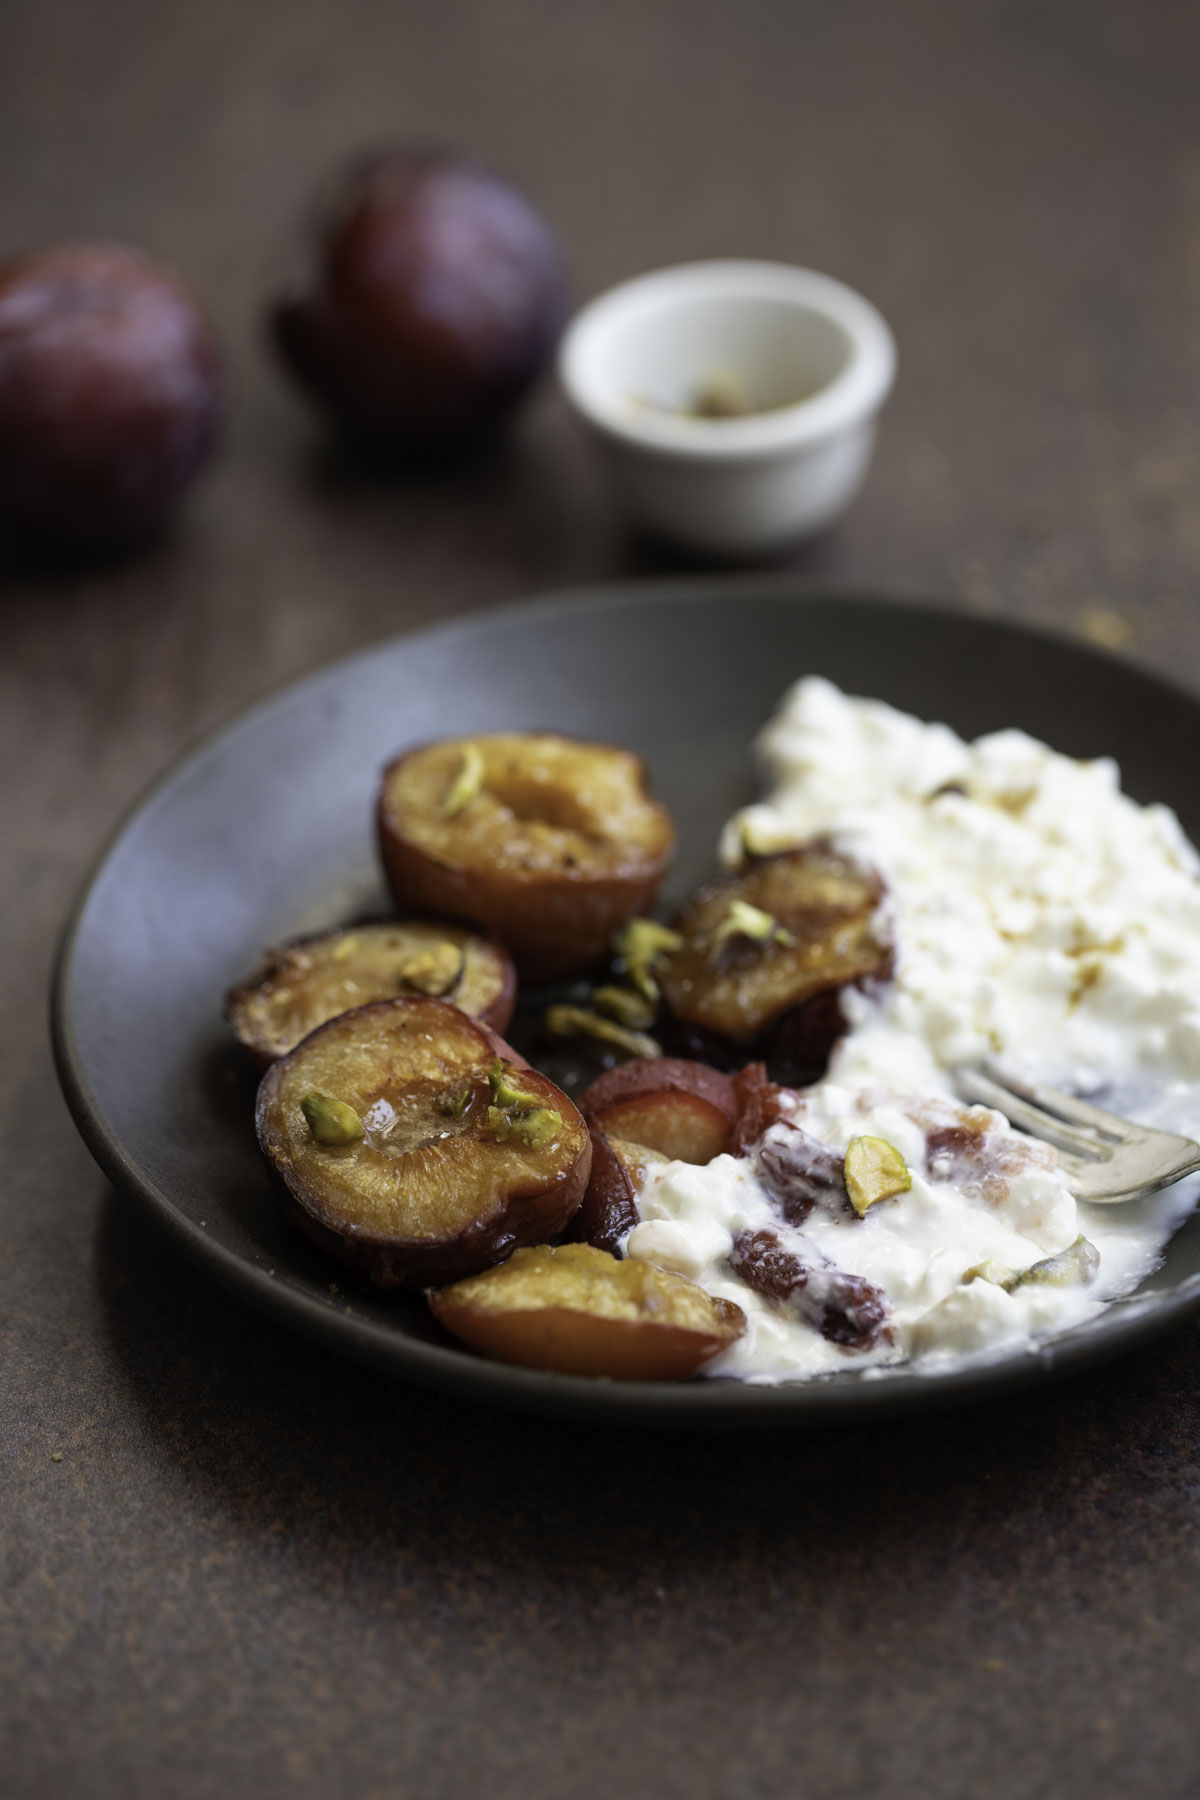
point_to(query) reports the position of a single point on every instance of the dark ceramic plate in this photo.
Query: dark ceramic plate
(265, 832)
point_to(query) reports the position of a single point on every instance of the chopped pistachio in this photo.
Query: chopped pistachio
(433, 971)
(1072, 1267)
(331, 1121)
(640, 943)
(744, 920)
(577, 1021)
(997, 1273)
(454, 1103)
(515, 1114)
(875, 1170)
(499, 1123)
(628, 1008)
(642, 940)
(504, 1094)
(639, 977)
(346, 948)
(537, 1127)
(752, 848)
(466, 783)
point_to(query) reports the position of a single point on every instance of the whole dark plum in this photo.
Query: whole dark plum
(434, 301)
(110, 394)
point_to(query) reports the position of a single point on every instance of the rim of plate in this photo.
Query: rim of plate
(706, 1403)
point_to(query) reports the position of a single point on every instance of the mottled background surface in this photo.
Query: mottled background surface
(233, 1565)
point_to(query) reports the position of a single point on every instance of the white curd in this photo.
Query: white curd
(1040, 918)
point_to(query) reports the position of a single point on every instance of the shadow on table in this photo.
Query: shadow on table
(334, 1460)
(538, 494)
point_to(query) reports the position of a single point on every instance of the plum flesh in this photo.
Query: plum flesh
(450, 1174)
(548, 843)
(682, 1109)
(304, 984)
(578, 1311)
(765, 954)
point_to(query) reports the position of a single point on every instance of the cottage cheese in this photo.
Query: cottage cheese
(1041, 918)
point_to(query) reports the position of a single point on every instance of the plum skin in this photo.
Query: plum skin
(111, 394)
(436, 296)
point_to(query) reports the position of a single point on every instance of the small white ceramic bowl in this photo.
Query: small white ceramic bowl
(811, 359)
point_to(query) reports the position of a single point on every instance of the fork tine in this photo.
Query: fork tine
(1075, 1111)
(1080, 1169)
(977, 1086)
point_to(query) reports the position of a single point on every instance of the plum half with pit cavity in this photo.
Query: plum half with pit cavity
(413, 1144)
(302, 985)
(547, 842)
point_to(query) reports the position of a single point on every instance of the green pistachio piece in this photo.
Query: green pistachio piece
(499, 1123)
(639, 977)
(632, 1010)
(514, 1114)
(1073, 1267)
(999, 1274)
(536, 1128)
(875, 1170)
(434, 971)
(504, 1094)
(643, 940)
(744, 920)
(453, 1105)
(640, 943)
(753, 849)
(539, 1127)
(466, 783)
(576, 1021)
(331, 1121)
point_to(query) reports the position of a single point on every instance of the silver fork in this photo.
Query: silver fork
(1105, 1158)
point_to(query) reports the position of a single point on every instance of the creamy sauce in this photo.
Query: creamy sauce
(1041, 919)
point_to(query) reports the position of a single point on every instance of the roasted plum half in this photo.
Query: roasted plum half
(684, 1110)
(767, 952)
(416, 1147)
(578, 1311)
(547, 842)
(302, 985)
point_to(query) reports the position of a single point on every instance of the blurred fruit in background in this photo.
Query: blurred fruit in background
(434, 298)
(110, 394)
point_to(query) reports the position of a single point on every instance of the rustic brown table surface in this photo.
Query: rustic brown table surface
(235, 1565)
